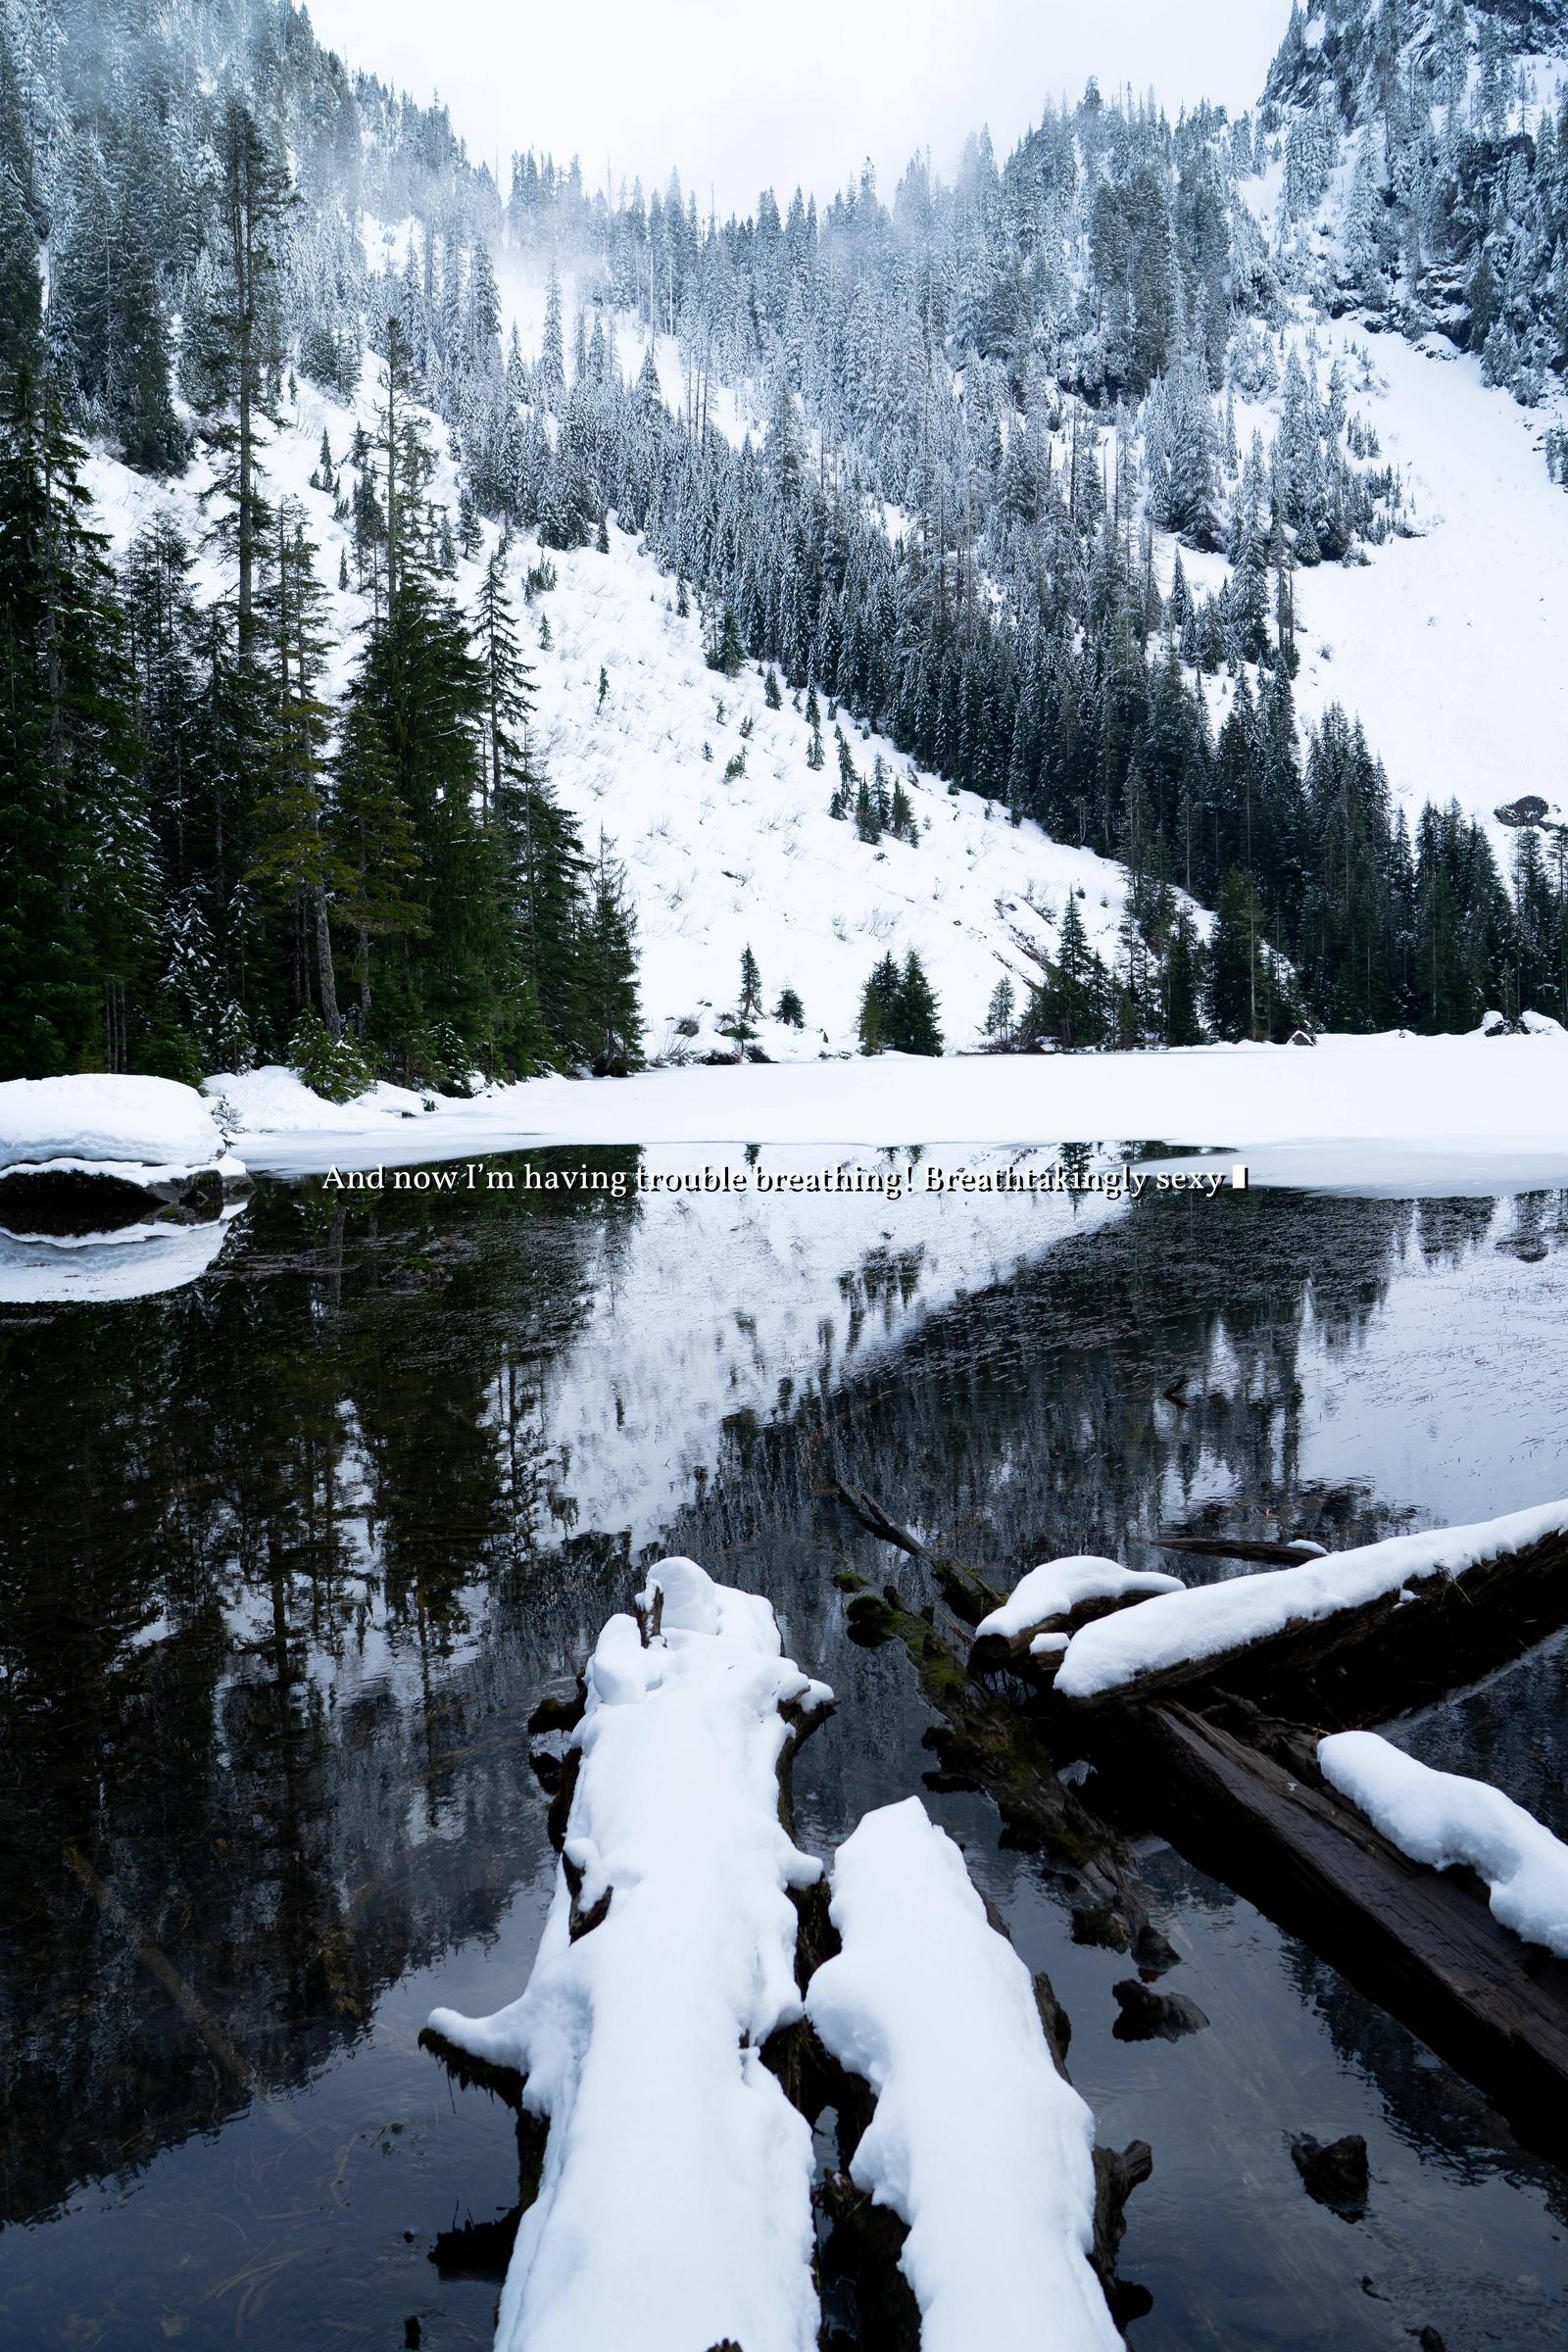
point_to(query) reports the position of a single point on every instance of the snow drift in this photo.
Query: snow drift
(145, 1129)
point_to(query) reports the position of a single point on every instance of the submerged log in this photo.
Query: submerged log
(1251, 1806)
(982, 1740)
(1269, 1553)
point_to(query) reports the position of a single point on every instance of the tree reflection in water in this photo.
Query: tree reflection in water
(287, 1556)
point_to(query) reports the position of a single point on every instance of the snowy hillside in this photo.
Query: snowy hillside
(1183, 492)
(716, 861)
(1416, 638)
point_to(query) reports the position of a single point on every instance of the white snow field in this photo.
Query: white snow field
(1447, 1113)
(1443, 1819)
(148, 1129)
(1057, 1587)
(1212, 1621)
(977, 2142)
(1448, 647)
(1445, 644)
(674, 2207)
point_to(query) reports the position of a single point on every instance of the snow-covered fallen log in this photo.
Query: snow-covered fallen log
(1062, 1595)
(977, 2142)
(1245, 1797)
(1443, 1819)
(674, 2203)
(1176, 1638)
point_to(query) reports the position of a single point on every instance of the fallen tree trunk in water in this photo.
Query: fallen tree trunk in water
(982, 1740)
(1343, 1636)
(974, 2195)
(1246, 1801)
(675, 2177)
(1262, 1549)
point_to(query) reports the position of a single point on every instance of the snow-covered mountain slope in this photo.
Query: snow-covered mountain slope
(1411, 640)
(717, 860)
(721, 861)
(1445, 641)
(1449, 646)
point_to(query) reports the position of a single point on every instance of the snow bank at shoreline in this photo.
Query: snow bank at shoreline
(1389, 1112)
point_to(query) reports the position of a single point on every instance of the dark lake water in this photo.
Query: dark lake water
(288, 1553)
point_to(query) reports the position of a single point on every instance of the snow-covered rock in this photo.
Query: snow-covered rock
(1445, 1819)
(147, 1129)
(1211, 1621)
(674, 2206)
(977, 2142)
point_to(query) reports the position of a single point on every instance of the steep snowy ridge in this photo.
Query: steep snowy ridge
(1346, 47)
(1413, 640)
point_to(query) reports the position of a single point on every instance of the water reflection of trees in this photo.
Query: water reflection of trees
(247, 1535)
(1113, 1388)
(1143, 1374)
(284, 1556)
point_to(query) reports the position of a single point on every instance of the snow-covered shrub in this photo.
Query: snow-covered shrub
(333, 1067)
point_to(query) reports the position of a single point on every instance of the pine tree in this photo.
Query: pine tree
(294, 858)
(878, 1006)
(1238, 988)
(914, 1025)
(21, 285)
(76, 880)
(1000, 1012)
(610, 966)
(724, 651)
(1182, 1023)
(106, 325)
(1070, 1009)
(235, 342)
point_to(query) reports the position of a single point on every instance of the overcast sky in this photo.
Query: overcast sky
(739, 95)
